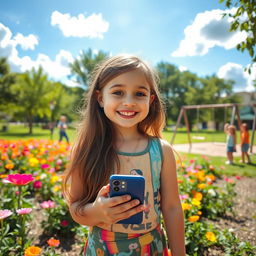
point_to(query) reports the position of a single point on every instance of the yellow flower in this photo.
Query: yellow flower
(210, 236)
(196, 202)
(33, 251)
(54, 178)
(33, 161)
(201, 186)
(199, 213)
(56, 188)
(193, 218)
(185, 206)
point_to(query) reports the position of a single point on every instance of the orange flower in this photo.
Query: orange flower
(9, 166)
(198, 196)
(53, 242)
(193, 218)
(33, 251)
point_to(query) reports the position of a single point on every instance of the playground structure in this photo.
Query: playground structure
(235, 112)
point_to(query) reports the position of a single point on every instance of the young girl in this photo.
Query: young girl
(230, 130)
(245, 142)
(120, 133)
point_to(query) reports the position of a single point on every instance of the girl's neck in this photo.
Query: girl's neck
(130, 140)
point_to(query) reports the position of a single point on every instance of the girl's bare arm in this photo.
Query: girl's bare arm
(170, 203)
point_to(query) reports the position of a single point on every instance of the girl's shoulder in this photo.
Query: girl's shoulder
(166, 147)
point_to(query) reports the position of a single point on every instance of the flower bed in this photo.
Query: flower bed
(31, 175)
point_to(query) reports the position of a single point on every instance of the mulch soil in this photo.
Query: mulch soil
(242, 223)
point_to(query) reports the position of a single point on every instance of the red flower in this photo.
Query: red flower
(53, 242)
(64, 223)
(37, 184)
(19, 179)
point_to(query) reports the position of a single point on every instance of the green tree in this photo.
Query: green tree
(7, 79)
(170, 88)
(244, 20)
(34, 94)
(84, 65)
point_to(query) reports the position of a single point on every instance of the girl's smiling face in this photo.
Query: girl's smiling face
(126, 99)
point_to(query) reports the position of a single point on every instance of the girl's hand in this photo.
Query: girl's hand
(111, 210)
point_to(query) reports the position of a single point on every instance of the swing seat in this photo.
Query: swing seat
(198, 137)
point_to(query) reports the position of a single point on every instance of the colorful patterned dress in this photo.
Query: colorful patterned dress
(146, 238)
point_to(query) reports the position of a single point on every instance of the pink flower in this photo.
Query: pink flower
(45, 166)
(19, 179)
(37, 184)
(59, 162)
(64, 223)
(47, 204)
(192, 161)
(238, 177)
(24, 211)
(5, 213)
(183, 197)
(51, 170)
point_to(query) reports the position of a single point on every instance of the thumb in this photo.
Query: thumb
(104, 191)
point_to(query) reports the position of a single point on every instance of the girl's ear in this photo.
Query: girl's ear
(152, 97)
(99, 97)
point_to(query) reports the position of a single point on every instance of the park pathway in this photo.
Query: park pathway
(208, 148)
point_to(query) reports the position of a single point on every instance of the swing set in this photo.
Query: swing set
(235, 113)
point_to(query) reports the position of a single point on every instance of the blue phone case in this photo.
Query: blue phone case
(132, 185)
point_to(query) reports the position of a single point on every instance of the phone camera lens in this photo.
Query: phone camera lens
(116, 182)
(116, 188)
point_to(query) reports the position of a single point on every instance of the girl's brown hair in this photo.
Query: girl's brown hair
(93, 155)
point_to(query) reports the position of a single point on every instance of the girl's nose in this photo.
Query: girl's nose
(129, 101)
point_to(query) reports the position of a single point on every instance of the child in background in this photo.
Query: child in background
(62, 125)
(230, 130)
(245, 143)
(121, 132)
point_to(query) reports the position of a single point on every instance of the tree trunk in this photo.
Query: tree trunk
(30, 124)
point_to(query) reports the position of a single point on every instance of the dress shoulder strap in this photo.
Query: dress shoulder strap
(156, 159)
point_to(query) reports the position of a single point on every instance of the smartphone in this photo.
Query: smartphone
(132, 185)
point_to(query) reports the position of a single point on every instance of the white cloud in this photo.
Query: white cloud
(182, 68)
(26, 42)
(92, 26)
(233, 71)
(208, 30)
(57, 69)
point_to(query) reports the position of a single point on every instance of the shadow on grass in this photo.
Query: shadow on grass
(24, 134)
(66, 242)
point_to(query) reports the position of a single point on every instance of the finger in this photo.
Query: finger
(129, 213)
(124, 207)
(114, 201)
(104, 191)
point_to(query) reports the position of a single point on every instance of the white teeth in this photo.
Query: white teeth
(127, 113)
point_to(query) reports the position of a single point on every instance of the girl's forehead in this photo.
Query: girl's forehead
(133, 77)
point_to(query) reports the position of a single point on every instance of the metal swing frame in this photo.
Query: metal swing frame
(235, 112)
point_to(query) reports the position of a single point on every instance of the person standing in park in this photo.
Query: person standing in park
(230, 130)
(120, 131)
(62, 125)
(245, 143)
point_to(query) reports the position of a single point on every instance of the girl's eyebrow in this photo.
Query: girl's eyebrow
(122, 85)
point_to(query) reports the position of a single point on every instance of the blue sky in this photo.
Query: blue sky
(186, 33)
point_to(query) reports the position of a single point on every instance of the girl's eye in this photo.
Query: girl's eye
(140, 94)
(119, 93)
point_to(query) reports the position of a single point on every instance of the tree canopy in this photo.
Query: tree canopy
(244, 20)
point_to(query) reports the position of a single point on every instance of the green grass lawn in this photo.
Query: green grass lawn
(21, 132)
